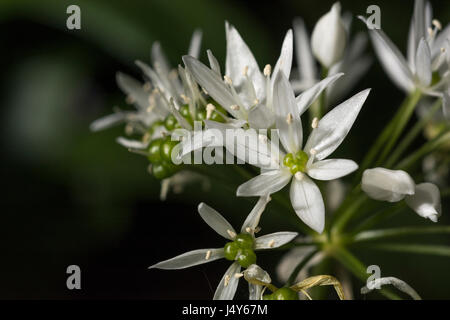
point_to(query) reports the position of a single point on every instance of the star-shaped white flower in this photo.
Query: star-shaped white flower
(301, 164)
(228, 285)
(427, 67)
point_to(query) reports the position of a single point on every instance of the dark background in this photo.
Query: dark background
(71, 196)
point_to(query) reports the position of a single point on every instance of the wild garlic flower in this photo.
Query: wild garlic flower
(244, 91)
(298, 164)
(353, 62)
(427, 66)
(395, 185)
(241, 249)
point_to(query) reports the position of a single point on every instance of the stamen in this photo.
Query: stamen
(315, 123)
(228, 80)
(234, 107)
(271, 243)
(238, 275)
(430, 32)
(185, 98)
(267, 70)
(245, 72)
(437, 24)
(204, 90)
(248, 230)
(313, 151)
(255, 102)
(231, 233)
(289, 118)
(226, 280)
(209, 110)
(208, 255)
(299, 175)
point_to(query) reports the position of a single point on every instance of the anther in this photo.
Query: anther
(299, 175)
(248, 230)
(129, 129)
(315, 123)
(255, 102)
(245, 72)
(262, 138)
(234, 107)
(231, 233)
(267, 70)
(185, 98)
(313, 151)
(271, 243)
(226, 280)
(238, 275)
(289, 118)
(204, 90)
(208, 255)
(437, 24)
(209, 110)
(228, 80)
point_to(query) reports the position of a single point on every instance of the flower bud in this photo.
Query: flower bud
(329, 37)
(387, 185)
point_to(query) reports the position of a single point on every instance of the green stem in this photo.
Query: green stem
(412, 134)
(379, 217)
(372, 235)
(346, 216)
(412, 248)
(358, 269)
(299, 267)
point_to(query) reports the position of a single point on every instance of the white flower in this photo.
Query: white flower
(227, 286)
(427, 65)
(329, 37)
(244, 91)
(396, 185)
(298, 163)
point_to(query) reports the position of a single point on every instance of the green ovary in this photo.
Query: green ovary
(296, 162)
(241, 250)
(282, 294)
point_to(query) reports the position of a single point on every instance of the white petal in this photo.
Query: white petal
(252, 220)
(254, 291)
(329, 37)
(266, 183)
(287, 117)
(201, 139)
(214, 64)
(196, 42)
(305, 61)
(107, 121)
(133, 88)
(159, 58)
(387, 185)
(399, 284)
(423, 63)
(228, 285)
(274, 240)
(331, 169)
(440, 40)
(133, 144)
(426, 201)
(240, 57)
(211, 82)
(308, 203)
(391, 59)
(284, 62)
(261, 117)
(189, 259)
(305, 99)
(334, 126)
(215, 220)
(420, 28)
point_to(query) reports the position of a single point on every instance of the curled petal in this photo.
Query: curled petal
(387, 185)
(189, 259)
(426, 201)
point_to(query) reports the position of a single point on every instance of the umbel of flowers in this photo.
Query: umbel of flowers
(244, 96)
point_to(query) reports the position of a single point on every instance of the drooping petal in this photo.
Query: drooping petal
(211, 82)
(189, 259)
(423, 63)
(216, 221)
(334, 126)
(426, 202)
(274, 240)
(391, 59)
(387, 185)
(331, 169)
(238, 58)
(266, 183)
(284, 62)
(196, 42)
(305, 99)
(329, 37)
(308, 203)
(228, 285)
(305, 61)
(287, 117)
(253, 218)
(107, 121)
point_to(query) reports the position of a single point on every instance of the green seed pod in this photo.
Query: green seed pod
(160, 171)
(231, 250)
(154, 154)
(167, 148)
(246, 257)
(170, 122)
(288, 160)
(244, 241)
(268, 297)
(285, 293)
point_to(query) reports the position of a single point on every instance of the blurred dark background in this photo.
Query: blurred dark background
(71, 196)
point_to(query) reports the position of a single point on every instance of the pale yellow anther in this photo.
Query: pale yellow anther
(442, 50)
(289, 118)
(204, 90)
(255, 102)
(208, 255)
(437, 24)
(245, 71)
(185, 98)
(231, 233)
(313, 151)
(226, 280)
(234, 107)
(209, 110)
(315, 123)
(238, 275)
(228, 80)
(248, 230)
(299, 176)
(267, 70)
(271, 243)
